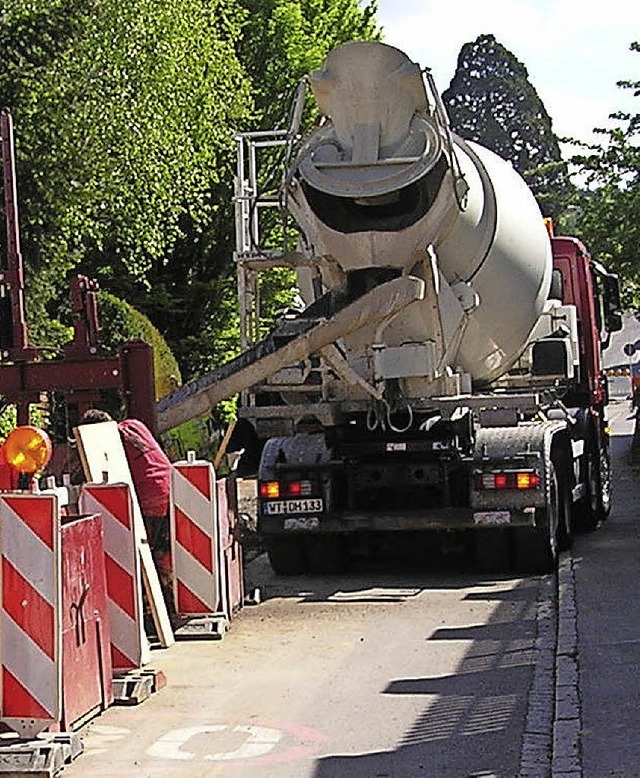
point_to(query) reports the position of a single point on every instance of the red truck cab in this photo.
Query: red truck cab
(595, 294)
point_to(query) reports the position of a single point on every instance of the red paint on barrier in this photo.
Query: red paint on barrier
(194, 540)
(120, 586)
(116, 501)
(188, 602)
(31, 612)
(17, 702)
(199, 477)
(119, 661)
(30, 511)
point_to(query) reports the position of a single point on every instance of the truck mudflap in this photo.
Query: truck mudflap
(409, 521)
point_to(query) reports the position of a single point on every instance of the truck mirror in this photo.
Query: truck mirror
(614, 322)
(556, 290)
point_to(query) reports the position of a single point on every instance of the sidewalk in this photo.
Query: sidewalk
(607, 591)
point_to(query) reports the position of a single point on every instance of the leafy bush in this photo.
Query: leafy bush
(121, 322)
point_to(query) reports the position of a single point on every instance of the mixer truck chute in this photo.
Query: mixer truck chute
(474, 400)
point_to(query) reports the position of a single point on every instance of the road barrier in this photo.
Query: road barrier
(195, 540)
(72, 637)
(207, 558)
(129, 644)
(231, 549)
(87, 685)
(54, 626)
(30, 619)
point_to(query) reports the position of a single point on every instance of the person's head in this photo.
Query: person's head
(94, 416)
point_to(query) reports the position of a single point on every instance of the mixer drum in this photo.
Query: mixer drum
(369, 193)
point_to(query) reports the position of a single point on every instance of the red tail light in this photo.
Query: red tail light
(507, 479)
(274, 490)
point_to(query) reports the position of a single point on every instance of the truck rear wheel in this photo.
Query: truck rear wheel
(287, 555)
(595, 505)
(536, 548)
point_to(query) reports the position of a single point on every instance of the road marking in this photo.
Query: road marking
(99, 738)
(260, 741)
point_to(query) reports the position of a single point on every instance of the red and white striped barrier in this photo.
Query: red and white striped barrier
(30, 623)
(195, 539)
(231, 549)
(129, 644)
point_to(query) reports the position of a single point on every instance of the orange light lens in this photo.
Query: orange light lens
(28, 449)
(270, 489)
(522, 480)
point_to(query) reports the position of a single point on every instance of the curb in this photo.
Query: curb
(537, 742)
(566, 760)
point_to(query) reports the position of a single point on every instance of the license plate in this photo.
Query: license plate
(492, 517)
(286, 507)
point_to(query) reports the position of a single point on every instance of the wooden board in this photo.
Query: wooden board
(104, 461)
(223, 445)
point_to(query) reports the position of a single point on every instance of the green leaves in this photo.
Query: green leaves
(285, 39)
(125, 112)
(607, 207)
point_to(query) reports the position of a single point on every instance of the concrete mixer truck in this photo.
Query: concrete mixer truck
(443, 372)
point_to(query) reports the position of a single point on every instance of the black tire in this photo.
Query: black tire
(594, 507)
(565, 531)
(492, 549)
(327, 554)
(537, 548)
(286, 555)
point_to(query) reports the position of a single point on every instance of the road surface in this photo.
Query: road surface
(435, 671)
(372, 674)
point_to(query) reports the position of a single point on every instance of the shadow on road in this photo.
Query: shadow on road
(473, 720)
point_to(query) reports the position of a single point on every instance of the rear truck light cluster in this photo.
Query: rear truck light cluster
(507, 479)
(277, 490)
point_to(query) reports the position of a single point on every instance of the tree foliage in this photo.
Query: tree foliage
(608, 206)
(286, 39)
(120, 323)
(125, 112)
(491, 101)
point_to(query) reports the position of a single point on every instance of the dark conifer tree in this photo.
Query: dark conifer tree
(491, 101)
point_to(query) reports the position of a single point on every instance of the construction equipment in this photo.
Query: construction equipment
(445, 370)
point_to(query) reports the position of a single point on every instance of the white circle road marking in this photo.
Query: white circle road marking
(260, 741)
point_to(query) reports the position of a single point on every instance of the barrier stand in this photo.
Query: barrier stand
(198, 567)
(231, 548)
(86, 660)
(129, 645)
(31, 635)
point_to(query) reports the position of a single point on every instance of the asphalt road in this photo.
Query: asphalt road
(435, 670)
(607, 596)
(437, 673)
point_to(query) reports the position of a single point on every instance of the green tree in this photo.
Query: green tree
(285, 39)
(281, 41)
(125, 111)
(608, 205)
(491, 101)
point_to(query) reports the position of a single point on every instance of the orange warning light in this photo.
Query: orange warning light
(28, 449)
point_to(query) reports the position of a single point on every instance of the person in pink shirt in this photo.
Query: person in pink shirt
(151, 475)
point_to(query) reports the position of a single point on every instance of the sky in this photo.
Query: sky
(574, 50)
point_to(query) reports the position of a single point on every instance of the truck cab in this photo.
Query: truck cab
(594, 292)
